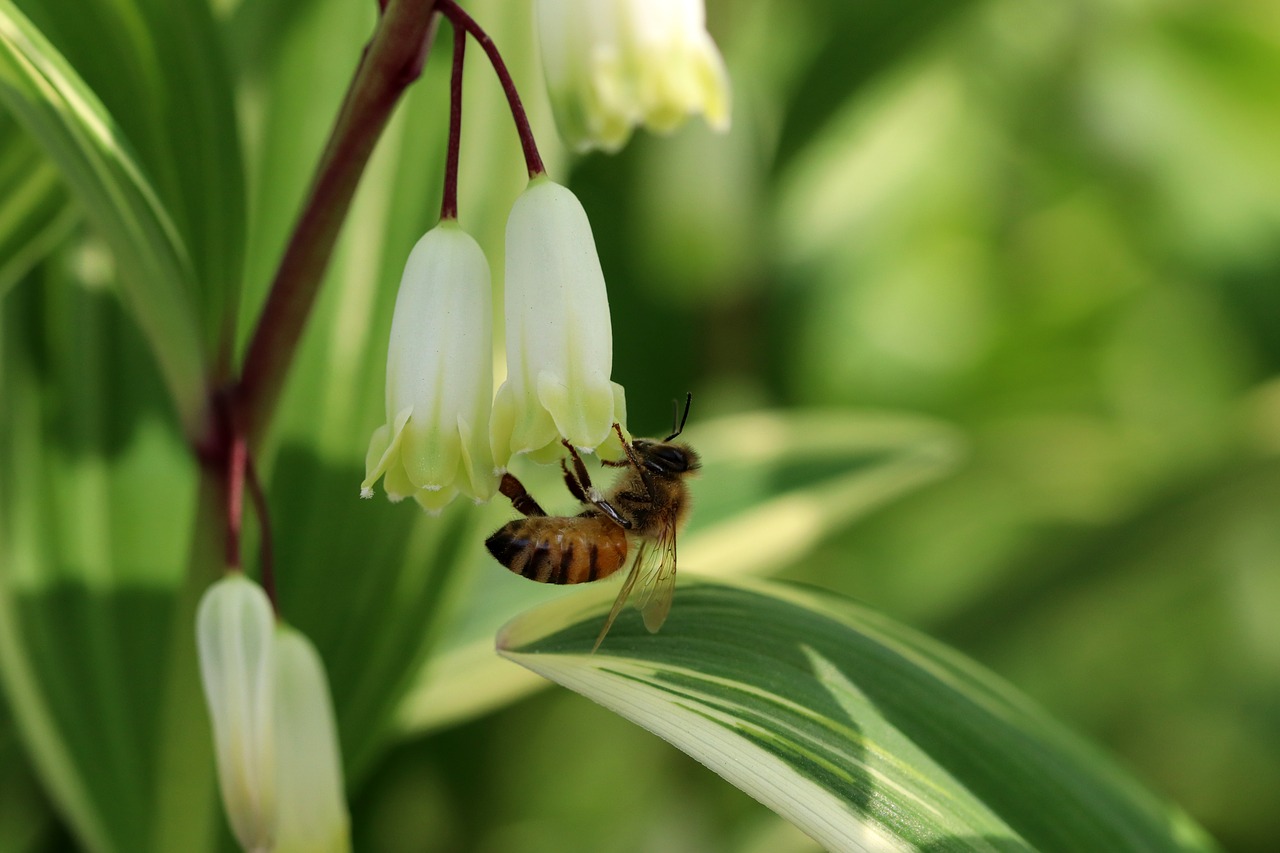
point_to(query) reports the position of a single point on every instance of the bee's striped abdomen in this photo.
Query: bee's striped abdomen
(560, 550)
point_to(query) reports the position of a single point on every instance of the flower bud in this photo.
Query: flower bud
(234, 638)
(613, 64)
(275, 743)
(434, 443)
(559, 337)
(312, 809)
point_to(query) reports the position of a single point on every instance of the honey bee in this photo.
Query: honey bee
(647, 505)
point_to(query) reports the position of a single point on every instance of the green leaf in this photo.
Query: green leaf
(35, 210)
(862, 732)
(95, 507)
(25, 817)
(395, 567)
(80, 137)
(772, 487)
(160, 71)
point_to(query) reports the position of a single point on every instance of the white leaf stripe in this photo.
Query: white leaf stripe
(768, 728)
(1031, 739)
(68, 121)
(900, 740)
(715, 743)
(840, 758)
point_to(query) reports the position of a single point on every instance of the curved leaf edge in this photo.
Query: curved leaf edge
(998, 745)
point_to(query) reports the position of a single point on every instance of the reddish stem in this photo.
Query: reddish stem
(265, 551)
(236, 462)
(391, 62)
(459, 18)
(449, 204)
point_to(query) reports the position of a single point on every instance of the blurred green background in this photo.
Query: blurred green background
(1058, 227)
(1055, 226)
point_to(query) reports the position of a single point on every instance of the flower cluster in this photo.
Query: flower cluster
(439, 440)
(610, 64)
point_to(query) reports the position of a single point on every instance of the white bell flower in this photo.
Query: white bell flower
(614, 64)
(559, 337)
(435, 442)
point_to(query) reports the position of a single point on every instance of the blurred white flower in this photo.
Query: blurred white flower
(435, 442)
(234, 638)
(312, 809)
(275, 744)
(614, 64)
(559, 337)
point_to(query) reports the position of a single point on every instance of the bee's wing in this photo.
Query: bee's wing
(654, 568)
(637, 568)
(659, 579)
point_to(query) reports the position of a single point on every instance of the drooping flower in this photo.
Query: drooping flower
(613, 64)
(275, 744)
(434, 444)
(559, 336)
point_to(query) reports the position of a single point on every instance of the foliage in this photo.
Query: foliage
(979, 306)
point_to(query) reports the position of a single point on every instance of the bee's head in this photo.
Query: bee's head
(659, 457)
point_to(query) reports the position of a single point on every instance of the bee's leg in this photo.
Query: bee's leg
(579, 468)
(607, 509)
(520, 497)
(585, 492)
(634, 460)
(621, 463)
(572, 484)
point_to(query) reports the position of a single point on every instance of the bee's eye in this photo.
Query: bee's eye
(667, 459)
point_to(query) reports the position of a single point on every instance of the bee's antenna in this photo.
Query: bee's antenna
(688, 400)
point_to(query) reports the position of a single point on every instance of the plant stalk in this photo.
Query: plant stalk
(459, 18)
(392, 61)
(449, 201)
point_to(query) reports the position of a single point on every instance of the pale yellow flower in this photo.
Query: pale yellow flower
(559, 336)
(613, 64)
(435, 442)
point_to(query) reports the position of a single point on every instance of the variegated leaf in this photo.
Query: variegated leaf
(864, 733)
